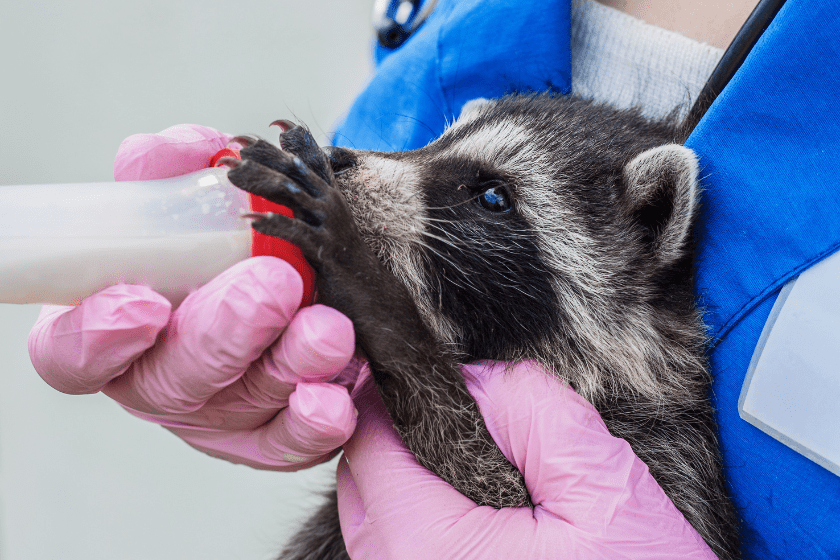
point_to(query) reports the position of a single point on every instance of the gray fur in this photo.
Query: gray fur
(605, 202)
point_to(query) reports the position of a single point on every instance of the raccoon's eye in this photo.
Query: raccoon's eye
(495, 199)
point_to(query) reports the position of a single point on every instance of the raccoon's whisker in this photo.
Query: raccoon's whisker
(448, 242)
(494, 254)
(408, 199)
(524, 233)
(438, 220)
(472, 242)
(511, 285)
(472, 199)
(436, 252)
(418, 121)
(457, 284)
(451, 262)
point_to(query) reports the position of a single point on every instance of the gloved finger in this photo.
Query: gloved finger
(380, 512)
(319, 419)
(573, 467)
(212, 338)
(377, 448)
(316, 346)
(250, 401)
(392, 507)
(350, 374)
(417, 532)
(179, 149)
(593, 466)
(78, 350)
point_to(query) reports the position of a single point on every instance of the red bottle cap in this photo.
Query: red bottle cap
(265, 245)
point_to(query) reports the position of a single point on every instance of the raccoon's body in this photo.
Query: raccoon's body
(537, 227)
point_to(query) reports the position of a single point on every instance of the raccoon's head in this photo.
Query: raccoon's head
(540, 227)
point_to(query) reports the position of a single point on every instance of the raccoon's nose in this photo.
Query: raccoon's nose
(341, 160)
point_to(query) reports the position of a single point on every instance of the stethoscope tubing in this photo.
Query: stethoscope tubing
(734, 56)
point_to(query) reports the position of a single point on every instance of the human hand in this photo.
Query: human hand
(213, 371)
(593, 498)
(178, 150)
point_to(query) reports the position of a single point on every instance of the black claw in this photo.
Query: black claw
(257, 216)
(231, 162)
(245, 141)
(285, 125)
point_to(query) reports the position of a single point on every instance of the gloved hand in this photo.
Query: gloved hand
(213, 371)
(593, 497)
(178, 150)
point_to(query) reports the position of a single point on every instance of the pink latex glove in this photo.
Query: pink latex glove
(178, 150)
(594, 499)
(213, 371)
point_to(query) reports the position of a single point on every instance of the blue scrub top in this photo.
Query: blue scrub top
(465, 49)
(769, 149)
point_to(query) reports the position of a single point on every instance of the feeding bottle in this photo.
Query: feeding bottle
(60, 243)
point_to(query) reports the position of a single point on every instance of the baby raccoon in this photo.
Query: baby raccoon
(537, 227)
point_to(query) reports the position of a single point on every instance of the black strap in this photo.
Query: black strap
(732, 59)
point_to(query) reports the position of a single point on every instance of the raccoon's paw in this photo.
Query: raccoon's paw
(298, 141)
(324, 228)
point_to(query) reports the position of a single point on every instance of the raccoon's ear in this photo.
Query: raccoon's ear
(661, 196)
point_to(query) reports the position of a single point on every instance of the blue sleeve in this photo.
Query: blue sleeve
(465, 49)
(769, 149)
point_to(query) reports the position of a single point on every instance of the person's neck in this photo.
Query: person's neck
(710, 21)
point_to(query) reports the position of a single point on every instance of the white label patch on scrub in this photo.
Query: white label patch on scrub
(792, 389)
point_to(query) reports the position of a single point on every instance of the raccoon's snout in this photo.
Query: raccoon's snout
(341, 160)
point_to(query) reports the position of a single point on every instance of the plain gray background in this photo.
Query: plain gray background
(80, 478)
